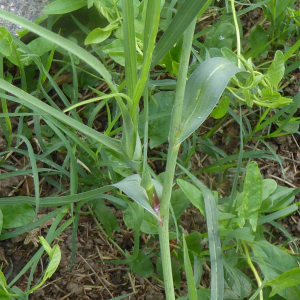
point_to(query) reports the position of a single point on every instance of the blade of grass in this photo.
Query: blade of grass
(192, 292)
(183, 18)
(64, 43)
(22, 173)
(37, 105)
(73, 162)
(129, 47)
(217, 277)
(278, 214)
(58, 201)
(4, 104)
(34, 172)
(150, 32)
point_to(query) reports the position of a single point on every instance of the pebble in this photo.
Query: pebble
(74, 288)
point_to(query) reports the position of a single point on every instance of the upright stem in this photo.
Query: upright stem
(249, 261)
(237, 30)
(171, 161)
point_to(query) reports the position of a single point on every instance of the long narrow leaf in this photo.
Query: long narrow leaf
(189, 272)
(38, 106)
(216, 260)
(185, 15)
(129, 46)
(34, 172)
(57, 201)
(64, 43)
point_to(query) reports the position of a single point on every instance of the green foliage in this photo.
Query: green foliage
(64, 6)
(15, 215)
(107, 157)
(251, 197)
(105, 217)
(159, 118)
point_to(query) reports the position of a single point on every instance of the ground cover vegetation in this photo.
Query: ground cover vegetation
(135, 115)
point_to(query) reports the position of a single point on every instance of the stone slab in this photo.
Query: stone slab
(29, 9)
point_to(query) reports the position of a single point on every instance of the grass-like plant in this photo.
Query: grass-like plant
(196, 97)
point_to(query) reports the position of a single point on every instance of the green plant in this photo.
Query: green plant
(237, 222)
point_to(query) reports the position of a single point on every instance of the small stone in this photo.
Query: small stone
(3, 144)
(74, 288)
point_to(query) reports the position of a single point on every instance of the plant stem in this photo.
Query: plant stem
(237, 30)
(249, 261)
(171, 161)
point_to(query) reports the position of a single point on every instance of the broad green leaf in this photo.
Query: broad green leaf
(290, 127)
(257, 37)
(97, 36)
(40, 46)
(282, 197)
(203, 90)
(6, 44)
(17, 215)
(131, 187)
(142, 265)
(252, 194)
(149, 224)
(275, 263)
(46, 131)
(175, 271)
(4, 296)
(287, 279)
(2, 280)
(268, 188)
(239, 285)
(184, 16)
(159, 118)
(172, 58)
(116, 51)
(203, 294)
(222, 36)
(194, 195)
(276, 70)
(179, 202)
(239, 233)
(64, 6)
(193, 242)
(222, 108)
(105, 216)
(189, 272)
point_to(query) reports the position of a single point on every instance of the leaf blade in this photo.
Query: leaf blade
(217, 278)
(202, 93)
(185, 15)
